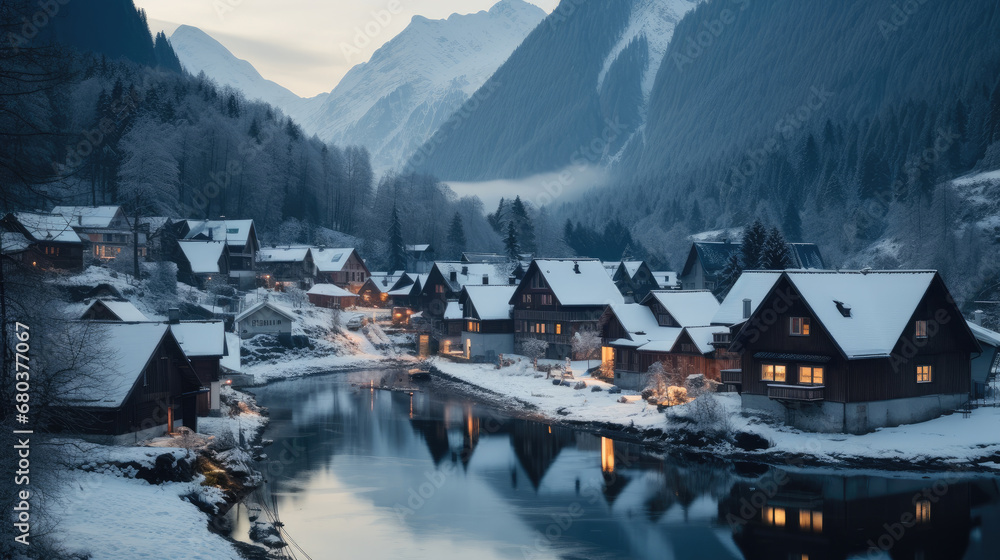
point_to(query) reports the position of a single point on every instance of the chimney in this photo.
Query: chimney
(465, 271)
(453, 276)
(174, 316)
(576, 267)
(746, 308)
(486, 279)
(977, 317)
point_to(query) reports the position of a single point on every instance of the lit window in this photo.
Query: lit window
(811, 375)
(770, 372)
(558, 328)
(439, 288)
(800, 326)
(811, 521)
(923, 374)
(540, 328)
(774, 516)
(921, 329)
(924, 511)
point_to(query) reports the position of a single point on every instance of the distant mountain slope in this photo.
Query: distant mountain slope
(199, 52)
(394, 102)
(584, 75)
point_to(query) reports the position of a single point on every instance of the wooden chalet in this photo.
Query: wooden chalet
(144, 386)
(375, 291)
(634, 279)
(240, 238)
(331, 297)
(200, 262)
(854, 351)
(286, 267)
(487, 326)
(406, 292)
(52, 241)
(706, 261)
(560, 297)
(669, 327)
(419, 258)
(341, 267)
(107, 230)
(447, 278)
(204, 344)
(112, 310)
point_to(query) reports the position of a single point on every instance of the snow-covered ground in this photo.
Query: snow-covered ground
(950, 439)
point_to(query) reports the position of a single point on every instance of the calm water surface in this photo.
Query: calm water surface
(356, 473)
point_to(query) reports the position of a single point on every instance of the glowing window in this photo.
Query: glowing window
(800, 326)
(923, 511)
(921, 329)
(923, 374)
(811, 375)
(771, 372)
(811, 521)
(774, 516)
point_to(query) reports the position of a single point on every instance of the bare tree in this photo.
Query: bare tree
(534, 349)
(586, 343)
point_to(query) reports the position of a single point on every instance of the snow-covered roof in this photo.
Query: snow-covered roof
(453, 311)
(631, 267)
(611, 267)
(714, 255)
(418, 248)
(52, 228)
(155, 223)
(484, 258)
(282, 254)
(492, 303)
(200, 338)
(881, 304)
(384, 281)
(646, 335)
(128, 347)
(203, 255)
(984, 335)
(89, 216)
(752, 285)
(273, 306)
(690, 308)
(703, 336)
(330, 290)
(331, 259)
(665, 279)
(472, 273)
(806, 256)
(14, 242)
(233, 232)
(590, 286)
(124, 310)
(232, 358)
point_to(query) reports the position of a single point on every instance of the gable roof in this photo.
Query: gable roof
(124, 310)
(329, 259)
(13, 242)
(50, 228)
(418, 248)
(590, 286)
(330, 290)
(470, 273)
(752, 285)
(282, 254)
(272, 306)
(984, 335)
(452, 311)
(89, 216)
(806, 256)
(384, 281)
(129, 347)
(665, 278)
(235, 233)
(199, 339)
(690, 308)
(491, 303)
(495, 258)
(203, 255)
(713, 255)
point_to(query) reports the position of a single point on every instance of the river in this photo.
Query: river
(357, 473)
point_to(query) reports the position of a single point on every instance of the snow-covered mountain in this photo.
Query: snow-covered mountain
(394, 102)
(199, 52)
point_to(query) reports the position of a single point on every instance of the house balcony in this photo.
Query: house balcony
(732, 376)
(801, 393)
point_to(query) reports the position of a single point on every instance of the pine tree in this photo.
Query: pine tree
(752, 250)
(511, 244)
(497, 219)
(397, 249)
(525, 229)
(730, 274)
(792, 222)
(456, 236)
(696, 222)
(776, 254)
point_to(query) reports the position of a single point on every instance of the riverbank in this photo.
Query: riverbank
(715, 425)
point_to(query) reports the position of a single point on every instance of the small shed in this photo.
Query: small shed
(265, 318)
(330, 296)
(110, 310)
(204, 344)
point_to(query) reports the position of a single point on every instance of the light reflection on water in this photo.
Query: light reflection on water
(369, 474)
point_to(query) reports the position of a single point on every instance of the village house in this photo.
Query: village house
(560, 297)
(240, 238)
(331, 297)
(15, 248)
(669, 327)
(487, 329)
(265, 318)
(204, 344)
(447, 278)
(706, 261)
(665, 280)
(143, 387)
(419, 258)
(854, 351)
(406, 291)
(161, 237)
(52, 241)
(106, 228)
(986, 365)
(341, 267)
(634, 278)
(200, 262)
(286, 267)
(375, 291)
(112, 310)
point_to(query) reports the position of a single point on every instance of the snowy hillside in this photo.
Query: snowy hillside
(199, 52)
(395, 101)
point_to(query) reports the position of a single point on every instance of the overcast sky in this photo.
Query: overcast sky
(301, 44)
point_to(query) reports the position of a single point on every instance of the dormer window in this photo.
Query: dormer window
(921, 329)
(799, 326)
